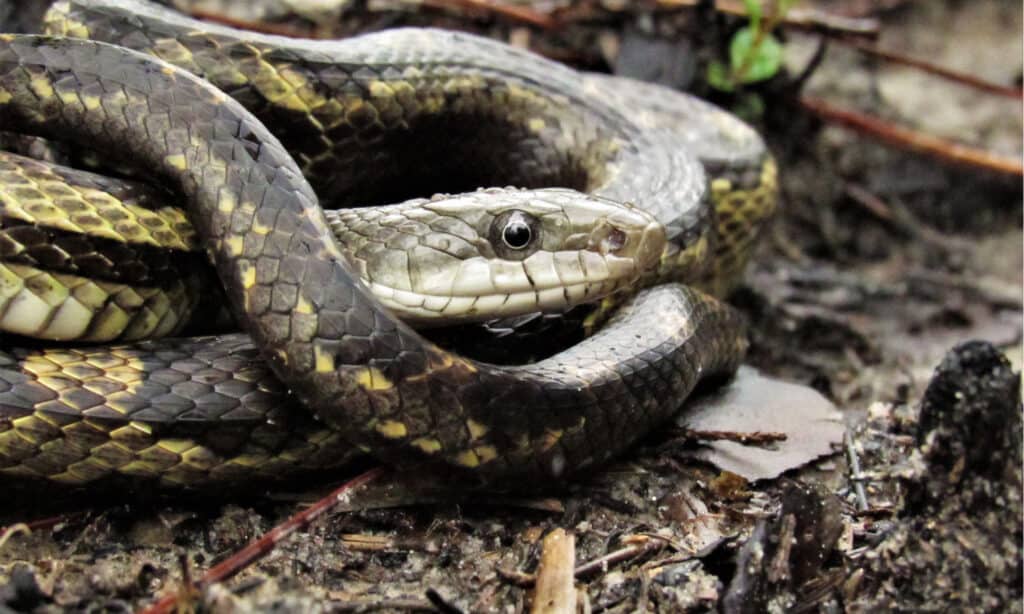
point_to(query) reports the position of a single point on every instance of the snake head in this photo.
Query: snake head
(499, 252)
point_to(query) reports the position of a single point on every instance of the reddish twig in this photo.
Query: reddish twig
(934, 69)
(265, 544)
(912, 140)
(45, 523)
(875, 205)
(901, 220)
(817, 21)
(279, 29)
(520, 14)
(805, 19)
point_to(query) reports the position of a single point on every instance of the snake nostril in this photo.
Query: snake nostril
(613, 241)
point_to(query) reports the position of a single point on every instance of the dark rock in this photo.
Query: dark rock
(957, 543)
(969, 427)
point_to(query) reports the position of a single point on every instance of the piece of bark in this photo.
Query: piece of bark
(555, 590)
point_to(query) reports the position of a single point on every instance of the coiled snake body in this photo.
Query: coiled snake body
(360, 117)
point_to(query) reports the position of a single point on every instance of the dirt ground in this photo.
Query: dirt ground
(881, 262)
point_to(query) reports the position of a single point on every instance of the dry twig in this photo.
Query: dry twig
(26, 528)
(778, 570)
(262, 546)
(516, 578)
(756, 438)
(555, 590)
(278, 29)
(934, 69)
(912, 140)
(641, 545)
(511, 12)
(19, 528)
(805, 19)
(855, 474)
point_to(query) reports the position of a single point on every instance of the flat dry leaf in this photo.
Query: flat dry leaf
(752, 402)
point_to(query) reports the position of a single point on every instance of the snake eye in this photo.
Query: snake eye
(515, 234)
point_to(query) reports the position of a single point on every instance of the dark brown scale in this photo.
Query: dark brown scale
(214, 392)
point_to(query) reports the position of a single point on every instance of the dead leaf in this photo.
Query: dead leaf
(754, 402)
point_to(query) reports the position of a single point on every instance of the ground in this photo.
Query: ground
(881, 262)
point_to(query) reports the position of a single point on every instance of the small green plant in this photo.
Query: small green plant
(754, 52)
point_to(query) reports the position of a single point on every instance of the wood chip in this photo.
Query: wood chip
(555, 590)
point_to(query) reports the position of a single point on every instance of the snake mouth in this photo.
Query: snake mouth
(425, 310)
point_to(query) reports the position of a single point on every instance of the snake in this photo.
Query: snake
(325, 370)
(92, 258)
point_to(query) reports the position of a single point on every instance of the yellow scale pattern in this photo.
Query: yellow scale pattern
(741, 217)
(66, 307)
(57, 443)
(61, 307)
(33, 192)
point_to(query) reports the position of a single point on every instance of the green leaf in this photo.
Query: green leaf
(718, 77)
(755, 63)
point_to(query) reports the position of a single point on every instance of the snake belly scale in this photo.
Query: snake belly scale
(372, 381)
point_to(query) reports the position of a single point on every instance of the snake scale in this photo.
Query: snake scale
(328, 370)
